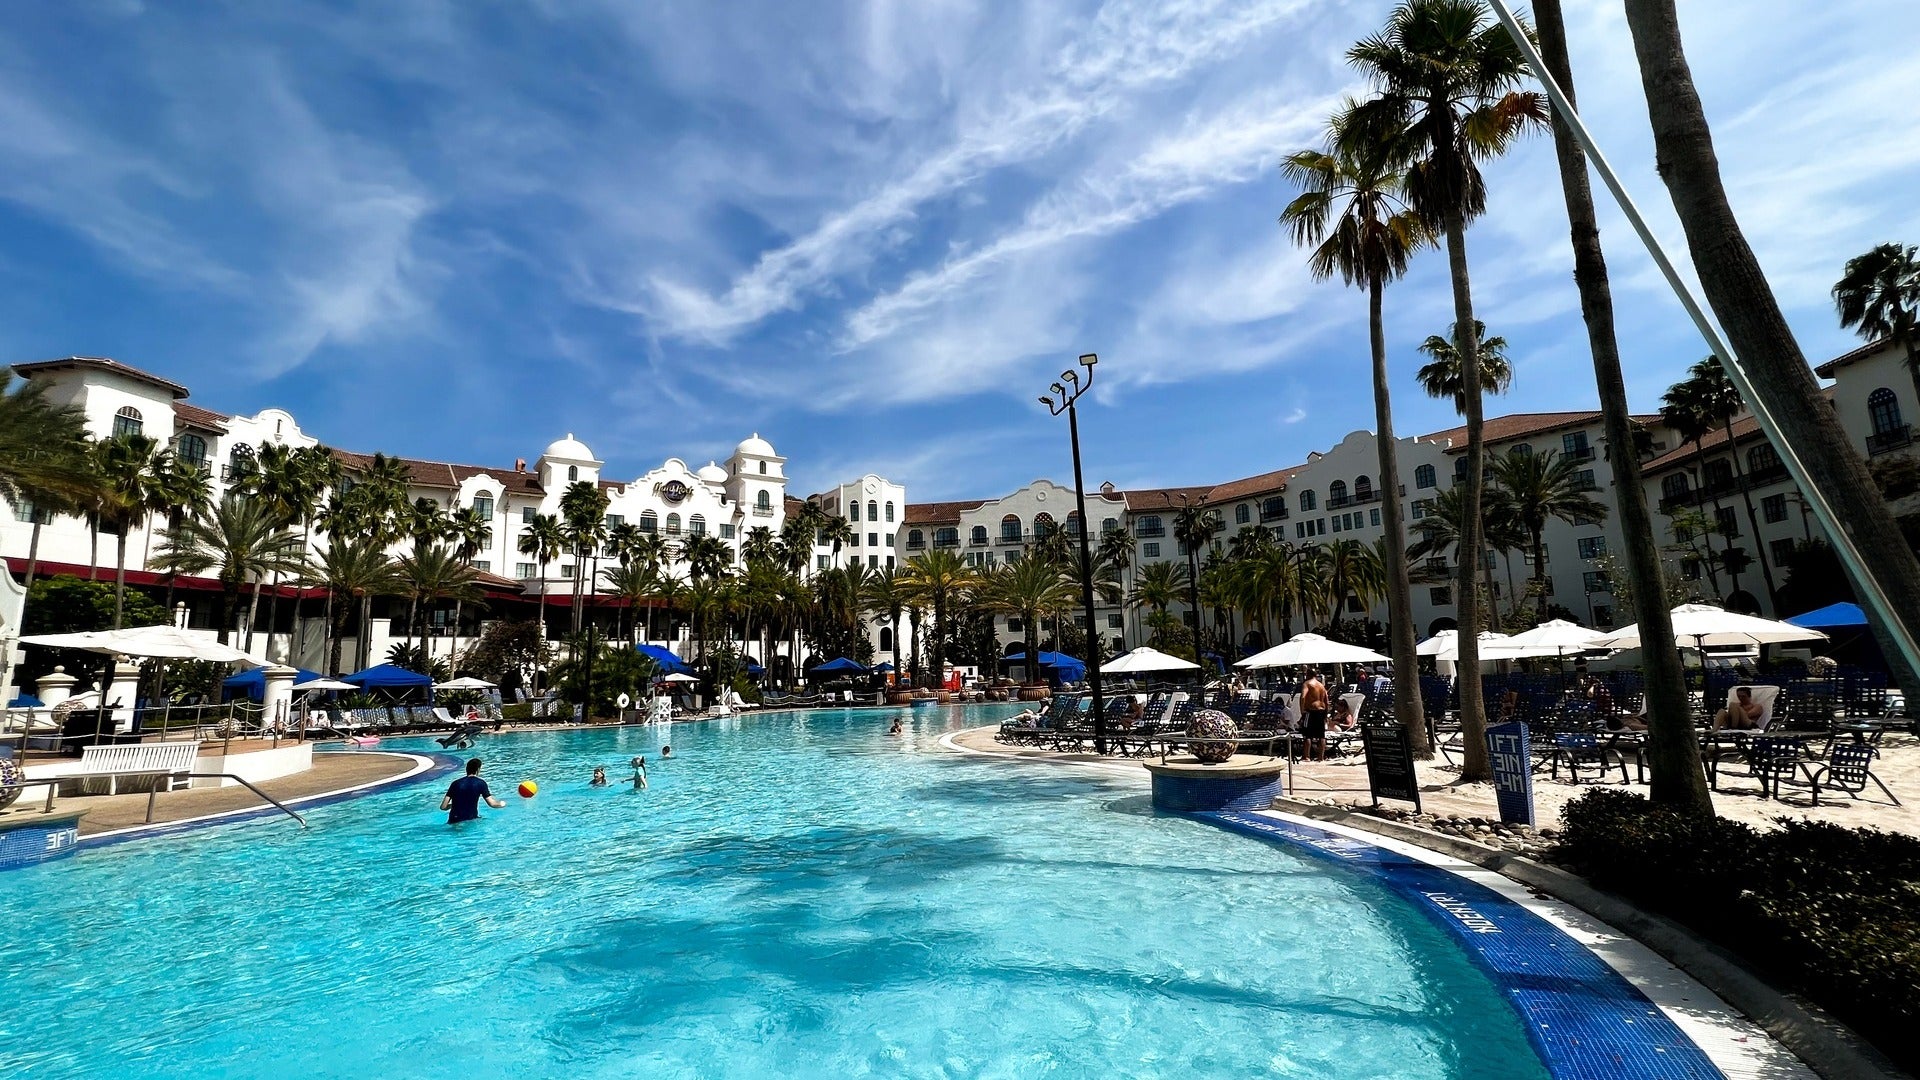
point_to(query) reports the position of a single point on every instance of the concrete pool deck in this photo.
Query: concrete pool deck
(1736, 1045)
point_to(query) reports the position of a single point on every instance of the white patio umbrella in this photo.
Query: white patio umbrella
(324, 684)
(1310, 649)
(1700, 625)
(1445, 645)
(1146, 658)
(1555, 637)
(678, 677)
(464, 682)
(165, 642)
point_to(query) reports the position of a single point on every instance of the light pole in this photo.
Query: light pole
(1065, 393)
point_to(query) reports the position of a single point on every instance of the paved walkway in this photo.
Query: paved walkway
(330, 773)
(1344, 781)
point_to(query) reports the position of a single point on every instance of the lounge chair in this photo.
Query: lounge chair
(1578, 748)
(1774, 762)
(1848, 768)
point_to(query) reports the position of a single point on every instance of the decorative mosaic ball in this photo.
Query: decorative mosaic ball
(1212, 724)
(10, 775)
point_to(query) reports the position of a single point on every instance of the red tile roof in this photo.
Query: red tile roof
(1746, 429)
(195, 416)
(99, 363)
(1871, 348)
(940, 513)
(1254, 485)
(444, 475)
(1164, 498)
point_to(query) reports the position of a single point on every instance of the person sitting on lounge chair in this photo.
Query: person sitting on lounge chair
(1342, 718)
(1742, 714)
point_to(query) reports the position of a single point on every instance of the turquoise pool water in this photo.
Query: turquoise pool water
(795, 895)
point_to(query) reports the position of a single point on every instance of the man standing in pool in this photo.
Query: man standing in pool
(463, 796)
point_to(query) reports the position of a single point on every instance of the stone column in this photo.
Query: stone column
(123, 690)
(54, 687)
(278, 696)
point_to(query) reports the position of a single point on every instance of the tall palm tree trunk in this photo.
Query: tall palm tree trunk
(1745, 305)
(119, 575)
(363, 644)
(1474, 766)
(33, 553)
(93, 550)
(1400, 631)
(329, 638)
(1753, 522)
(1700, 507)
(1539, 573)
(253, 611)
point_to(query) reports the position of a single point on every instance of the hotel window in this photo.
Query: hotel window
(528, 513)
(573, 473)
(1309, 501)
(1015, 625)
(1299, 530)
(1009, 528)
(1762, 459)
(1603, 615)
(1421, 508)
(889, 510)
(1593, 581)
(1423, 477)
(979, 534)
(1115, 622)
(1459, 469)
(1373, 516)
(1363, 487)
(889, 562)
(1108, 525)
(1150, 526)
(191, 448)
(822, 559)
(1574, 444)
(649, 523)
(1781, 550)
(24, 510)
(853, 510)
(889, 539)
(1440, 594)
(763, 468)
(873, 562)
(1584, 480)
(566, 570)
(763, 501)
(873, 510)
(726, 530)
(614, 520)
(873, 539)
(1151, 551)
(950, 537)
(1073, 524)
(127, 422)
(525, 570)
(483, 505)
(1522, 448)
(697, 526)
(916, 538)
(673, 524)
(1718, 473)
(1337, 493)
(485, 566)
(1675, 486)
(1726, 522)
(1774, 507)
(1591, 547)
(1242, 514)
(1883, 409)
(856, 540)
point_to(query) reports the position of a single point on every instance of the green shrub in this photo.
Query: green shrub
(521, 711)
(1825, 910)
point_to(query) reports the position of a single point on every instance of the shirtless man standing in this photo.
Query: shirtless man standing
(1313, 714)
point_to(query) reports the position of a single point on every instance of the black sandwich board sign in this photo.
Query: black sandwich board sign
(1509, 752)
(1390, 772)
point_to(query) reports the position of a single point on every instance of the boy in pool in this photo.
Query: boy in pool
(463, 796)
(665, 752)
(639, 773)
(896, 728)
(599, 776)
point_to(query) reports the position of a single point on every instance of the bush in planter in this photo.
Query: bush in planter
(1830, 911)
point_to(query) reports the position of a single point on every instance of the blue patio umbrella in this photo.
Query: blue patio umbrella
(668, 663)
(884, 667)
(26, 701)
(841, 666)
(388, 677)
(755, 669)
(1065, 668)
(252, 683)
(1831, 615)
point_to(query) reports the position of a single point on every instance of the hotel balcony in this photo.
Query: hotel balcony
(976, 541)
(1584, 453)
(940, 542)
(1151, 534)
(1273, 515)
(1886, 442)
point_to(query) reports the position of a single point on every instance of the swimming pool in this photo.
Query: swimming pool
(795, 895)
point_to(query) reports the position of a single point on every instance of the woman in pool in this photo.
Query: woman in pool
(639, 773)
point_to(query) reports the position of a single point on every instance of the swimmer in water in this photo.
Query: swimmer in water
(896, 728)
(666, 752)
(599, 776)
(639, 773)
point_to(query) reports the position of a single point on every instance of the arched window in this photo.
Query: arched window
(1242, 514)
(127, 422)
(1275, 506)
(886, 639)
(946, 537)
(1150, 526)
(1882, 407)
(1337, 493)
(1459, 469)
(649, 522)
(1675, 486)
(763, 501)
(1522, 448)
(979, 536)
(697, 526)
(673, 524)
(873, 510)
(1423, 477)
(853, 510)
(1009, 528)
(239, 462)
(1042, 525)
(889, 509)
(573, 473)
(1309, 501)
(1108, 525)
(916, 538)
(1073, 523)
(191, 449)
(763, 468)
(1718, 473)
(1762, 458)
(1363, 487)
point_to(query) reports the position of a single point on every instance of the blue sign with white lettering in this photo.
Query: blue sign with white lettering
(1510, 752)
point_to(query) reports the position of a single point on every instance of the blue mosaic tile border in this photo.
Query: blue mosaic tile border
(1187, 793)
(1586, 1021)
(442, 765)
(33, 842)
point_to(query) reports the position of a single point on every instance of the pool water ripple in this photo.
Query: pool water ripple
(795, 895)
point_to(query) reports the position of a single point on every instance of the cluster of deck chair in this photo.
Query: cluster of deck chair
(1066, 725)
(410, 719)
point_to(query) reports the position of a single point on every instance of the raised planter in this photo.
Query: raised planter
(900, 697)
(1035, 693)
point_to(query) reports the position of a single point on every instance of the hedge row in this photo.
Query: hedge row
(1823, 910)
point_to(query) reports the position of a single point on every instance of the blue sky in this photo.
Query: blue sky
(873, 232)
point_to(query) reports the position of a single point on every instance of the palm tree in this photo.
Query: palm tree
(886, 596)
(431, 574)
(1442, 377)
(652, 550)
(1194, 525)
(544, 538)
(707, 557)
(242, 541)
(1441, 530)
(1782, 382)
(633, 583)
(1445, 78)
(186, 488)
(472, 533)
(381, 493)
(837, 531)
(44, 452)
(130, 468)
(759, 546)
(1116, 550)
(1349, 568)
(1158, 586)
(1540, 488)
(939, 580)
(1683, 410)
(1879, 297)
(1028, 589)
(1352, 211)
(357, 568)
(583, 508)
(1708, 397)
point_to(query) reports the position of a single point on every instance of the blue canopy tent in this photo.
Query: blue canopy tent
(664, 659)
(389, 677)
(1064, 668)
(253, 683)
(1831, 615)
(755, 670)
(885, 667)
(841, 666)
(26, 701)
